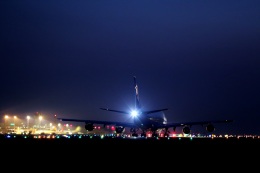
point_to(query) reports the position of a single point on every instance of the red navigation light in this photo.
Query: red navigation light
(113, 128)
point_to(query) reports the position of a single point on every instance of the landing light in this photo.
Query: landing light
(134, 113)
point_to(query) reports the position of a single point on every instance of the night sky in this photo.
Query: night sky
(198, 58)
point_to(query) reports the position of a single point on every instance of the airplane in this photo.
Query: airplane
(146, 121)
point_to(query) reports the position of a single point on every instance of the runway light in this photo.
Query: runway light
(8, 136)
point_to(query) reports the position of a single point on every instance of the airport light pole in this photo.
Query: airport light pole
(40, 119)
(28, 119)
(14, 121)
(6, 118)
(59, 127)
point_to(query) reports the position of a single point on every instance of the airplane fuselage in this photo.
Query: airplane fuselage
(150, 121)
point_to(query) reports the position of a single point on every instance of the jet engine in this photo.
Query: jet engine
(89, 126)
(186, 130)
(210, 128)
(120, 129)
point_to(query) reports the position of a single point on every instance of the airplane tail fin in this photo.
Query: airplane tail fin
(137, 100)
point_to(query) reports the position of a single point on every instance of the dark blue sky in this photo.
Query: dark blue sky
(198, 58)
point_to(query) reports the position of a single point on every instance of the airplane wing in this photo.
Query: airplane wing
(124, 124)
(124, 112)
(153, 111)
(112, 110)
(168, 125)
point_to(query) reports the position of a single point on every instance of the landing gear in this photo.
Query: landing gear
(154, 134)
(143, 134)
(134, 132)
(166, 133)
